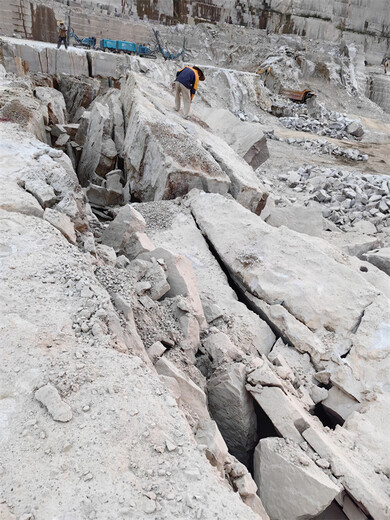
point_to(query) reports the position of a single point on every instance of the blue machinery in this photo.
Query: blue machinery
(121, 46)
(84, 42)
(127, 48)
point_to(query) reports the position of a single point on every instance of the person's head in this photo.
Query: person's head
(200, 72)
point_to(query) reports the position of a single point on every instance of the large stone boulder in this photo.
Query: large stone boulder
(127, 222)
(79, 92)
(181, 278)
(232, 408)
(99, 151)
(206, 146)
(245, 138)
(191, 396)
(304, 219)
(290, 484)
(161, 159)
(55, 103)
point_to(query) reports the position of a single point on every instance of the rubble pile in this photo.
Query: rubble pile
(320, 146)
(349, 197)
(329, 124)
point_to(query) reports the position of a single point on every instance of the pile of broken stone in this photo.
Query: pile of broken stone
(318, 120)
(321, 146)
(349, 197)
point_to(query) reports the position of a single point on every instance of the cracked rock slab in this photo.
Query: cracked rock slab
(281, 266)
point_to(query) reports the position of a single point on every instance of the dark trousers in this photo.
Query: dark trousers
(60, 40)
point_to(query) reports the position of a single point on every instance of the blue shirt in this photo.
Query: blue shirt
(189, 78)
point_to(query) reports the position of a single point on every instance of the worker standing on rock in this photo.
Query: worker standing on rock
(186, 85)
(386, 64)
(62, 34)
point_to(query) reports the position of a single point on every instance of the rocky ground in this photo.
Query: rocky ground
(195, 313)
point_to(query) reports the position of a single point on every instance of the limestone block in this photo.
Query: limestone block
(42, 191)
(365, 226)
(113, 180)
(190, 394)
(208, 435)
(71, 129)
(232, 408)
(48, 395)
(339, 404)
(263, 375)
(55, 103)
(107, 65)
(107, 158)
(342, 462)
(62, 222)
(82, 131)
(189, 326)
(61, 140)
(155, 351)
(360, 245)
(367, 366)
(245, 485)
(118, 232)
(245, 185)
(246, 139)
(355, 128)
(107, 253)
(14, 198)
(181, 279)
(99, 128)
(172, 385)
(286, 413)
(79, 92)
(254, 502)
(282, 472)
(380, 258)
(100, 196)
(161, 159)
(181, 236)
(280, 265)
(156, 276)
(220, 349)
(137, 244)
(113, 100)
(300, 336)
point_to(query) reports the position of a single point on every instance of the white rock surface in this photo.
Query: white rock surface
(119, 231)
(55, 103)
(161, 159)
(307, 491)
(232, 408)
(172, 227)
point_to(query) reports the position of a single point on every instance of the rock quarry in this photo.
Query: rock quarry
(195, 313)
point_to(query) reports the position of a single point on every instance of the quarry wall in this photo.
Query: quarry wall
(365, 22)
